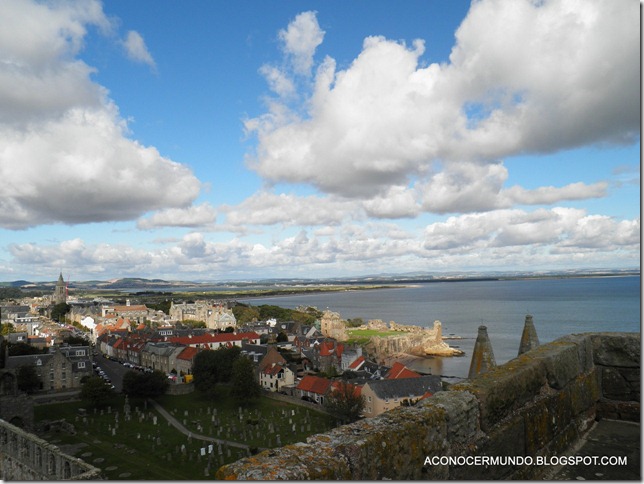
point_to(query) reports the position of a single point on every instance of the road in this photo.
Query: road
(114, 370)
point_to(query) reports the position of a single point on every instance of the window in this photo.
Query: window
(80, 352)
(38, 362)
(369, 398)
(81, 364)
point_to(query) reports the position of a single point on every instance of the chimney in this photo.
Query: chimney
(482, 356)
(529, 338)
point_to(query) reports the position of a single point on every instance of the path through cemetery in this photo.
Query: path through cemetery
(175, 423)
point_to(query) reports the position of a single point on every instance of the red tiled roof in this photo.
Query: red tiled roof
(139, 307)
(398, 370)
(273, 369)
(188, 353)
(357, 364)
(337, 386)
(314, 384)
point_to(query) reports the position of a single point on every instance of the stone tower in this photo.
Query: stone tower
(529, 338)
(60, 293)
(482, 356)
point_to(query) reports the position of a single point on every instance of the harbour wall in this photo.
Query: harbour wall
(536, 405)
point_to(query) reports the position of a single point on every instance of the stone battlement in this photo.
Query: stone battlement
(538, 404)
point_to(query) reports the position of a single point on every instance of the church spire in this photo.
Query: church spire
(60, 292)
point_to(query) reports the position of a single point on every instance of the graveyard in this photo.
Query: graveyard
(129, 439)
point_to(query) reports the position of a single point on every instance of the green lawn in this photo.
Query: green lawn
(362, 336)
(141, 450)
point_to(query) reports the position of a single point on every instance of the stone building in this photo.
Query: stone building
(383, 395)
(60, 369)
(215, 315)
(60, 291)
(332, 326)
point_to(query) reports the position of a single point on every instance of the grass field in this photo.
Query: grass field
(139, 449)
(362, 336)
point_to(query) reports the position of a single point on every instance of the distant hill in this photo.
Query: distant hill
(140, 283)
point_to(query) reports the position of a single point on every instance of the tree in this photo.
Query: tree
(345, 402)
(244, 385)
(28, 380)
(204, 370)
(211, 367)
(96, 392)
(145, 385)
(7, 328)
(59, 311)
(75, 340)
(245, 314)
(21, 349)
(282, 337)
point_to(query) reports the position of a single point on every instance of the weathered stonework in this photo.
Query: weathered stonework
(419, 342)
(538, 404)
(25, 457)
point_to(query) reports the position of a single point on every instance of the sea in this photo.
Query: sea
(559, 306)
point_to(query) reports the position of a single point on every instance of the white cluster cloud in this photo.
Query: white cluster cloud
(300, 40)
(193, 216)
(388, 137)
(523, 77)
(65, 155)
(542, 239)
(137, 50)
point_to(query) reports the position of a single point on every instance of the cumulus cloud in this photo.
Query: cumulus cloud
(300, 40)
(193, 216)
(65, 154)
(501, 239)
(523, 77)
(549, 229)
(136, 49)
(267, 208)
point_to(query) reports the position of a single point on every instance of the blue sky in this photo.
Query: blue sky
(226, 140)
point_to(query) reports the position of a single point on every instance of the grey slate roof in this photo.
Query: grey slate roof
(406, 387)
(27, 360)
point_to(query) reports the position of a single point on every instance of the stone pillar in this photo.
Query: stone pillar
(529, 338)
(482, 356)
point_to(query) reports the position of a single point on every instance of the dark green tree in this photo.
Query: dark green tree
(224, 360)
(245, 314)
(345, 402)
(245, 387)
(21, 349)
(145, 385)
(28, 380)
(59, 311)
(214, 366)
(204, 370)
(96, 392)
(75, 340)
(282, 337)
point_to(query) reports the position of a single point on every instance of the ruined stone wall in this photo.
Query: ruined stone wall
(538, 404)
(25, 457)
(424, 342)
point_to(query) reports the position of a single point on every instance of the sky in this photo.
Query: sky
(214, 140)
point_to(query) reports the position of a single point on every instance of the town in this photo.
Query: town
(55, 346)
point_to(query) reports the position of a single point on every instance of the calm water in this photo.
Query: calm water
(559, 307)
